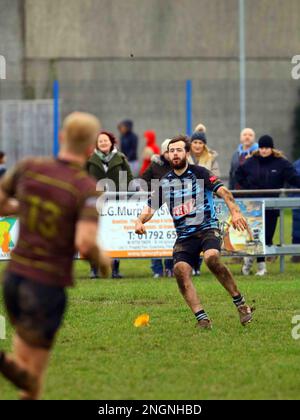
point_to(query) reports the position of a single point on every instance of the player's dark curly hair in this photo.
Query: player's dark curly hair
(111, 137)
(181, 137)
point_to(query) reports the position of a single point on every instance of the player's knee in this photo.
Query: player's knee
(211, 253)
(181, 270)
(212, 259)
(182, 274)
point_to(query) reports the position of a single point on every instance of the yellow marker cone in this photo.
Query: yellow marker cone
(142, 320)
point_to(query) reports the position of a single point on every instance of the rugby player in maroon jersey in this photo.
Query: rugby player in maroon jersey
(55, 200)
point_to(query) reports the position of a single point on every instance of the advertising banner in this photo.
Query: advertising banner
(118, 238)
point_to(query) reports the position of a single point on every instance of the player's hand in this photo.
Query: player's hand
(104, 265)
(139, 228)
(239, 222)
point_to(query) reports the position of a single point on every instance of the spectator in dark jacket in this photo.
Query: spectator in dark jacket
(129, 145)
(266, 169)
(159, 167)
(245, 149)
(106, 163)
(2, 163)
(296, 220)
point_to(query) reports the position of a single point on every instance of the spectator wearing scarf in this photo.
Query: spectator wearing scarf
(106, 163)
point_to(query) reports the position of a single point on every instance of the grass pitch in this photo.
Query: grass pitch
(101, 355)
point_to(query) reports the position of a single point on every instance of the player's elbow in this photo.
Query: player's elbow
(222, 191)
(85, 246)
(86, 237)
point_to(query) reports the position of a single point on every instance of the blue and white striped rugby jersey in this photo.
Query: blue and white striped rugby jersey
(189, 198)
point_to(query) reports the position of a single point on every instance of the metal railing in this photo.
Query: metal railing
(282, 202)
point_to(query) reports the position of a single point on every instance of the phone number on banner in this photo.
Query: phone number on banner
(153, 234)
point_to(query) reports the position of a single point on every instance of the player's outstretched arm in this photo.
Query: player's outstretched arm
(86, 244)
(238, 220)
(144, 217)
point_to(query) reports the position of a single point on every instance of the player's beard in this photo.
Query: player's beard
(180, 164)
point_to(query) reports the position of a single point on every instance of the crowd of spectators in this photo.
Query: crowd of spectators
(255, 165)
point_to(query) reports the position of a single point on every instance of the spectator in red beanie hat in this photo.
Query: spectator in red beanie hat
(150, 149)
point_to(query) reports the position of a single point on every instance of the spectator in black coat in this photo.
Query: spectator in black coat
(159, 167)
(245, 149)
(129, 145)
(267, 168)
(2, 163)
